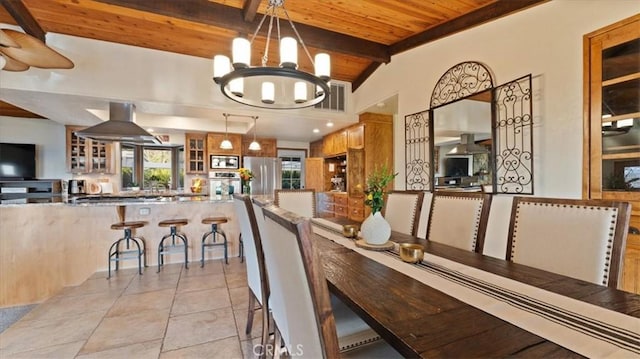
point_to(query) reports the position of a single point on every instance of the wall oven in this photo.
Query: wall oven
(223, 184)
(223, 162)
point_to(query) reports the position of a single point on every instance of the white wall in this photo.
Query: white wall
(49, 138)
(546, 41)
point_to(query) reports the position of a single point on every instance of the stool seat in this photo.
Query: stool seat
(173, 222)
(128, 225)
(214, 220)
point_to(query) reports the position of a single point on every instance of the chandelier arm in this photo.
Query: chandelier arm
(265, 57)
(255, 33)
(298, 35)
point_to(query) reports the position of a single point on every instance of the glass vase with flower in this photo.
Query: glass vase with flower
(245, 180)
(375, 229)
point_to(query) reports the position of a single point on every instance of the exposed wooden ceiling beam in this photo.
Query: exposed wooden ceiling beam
(9, 110)
(364, 75)
(249, 9)
(487, 13)
(231, 18)
(23, 18)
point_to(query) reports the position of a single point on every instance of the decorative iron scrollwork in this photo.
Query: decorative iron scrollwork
(460, 81)
(514, 140)
(417, 151)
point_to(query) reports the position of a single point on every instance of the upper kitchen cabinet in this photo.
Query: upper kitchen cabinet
(315, 148)
(355, 136)
(335, 143)
(268, 147)
(611, 160)
(196, 153)
(87, 156)
(214, 140)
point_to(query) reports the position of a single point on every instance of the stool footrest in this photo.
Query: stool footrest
(172, 249)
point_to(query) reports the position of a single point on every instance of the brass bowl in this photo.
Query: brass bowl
(350, 230)
(411, 253)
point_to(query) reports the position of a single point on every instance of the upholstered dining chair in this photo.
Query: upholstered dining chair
(256, 271)
(402, 210)
(308, 320)
(459, 219)
(423, 219)
(299, 201)
(582, 239)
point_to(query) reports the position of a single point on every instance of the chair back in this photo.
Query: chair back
(402, 210)
(423, 221)
(459, 219)
(495, 239)
(293, 263)
(583, 239)
(299, 201)
(254, 256)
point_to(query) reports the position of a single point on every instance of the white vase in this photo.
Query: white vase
(375, 229)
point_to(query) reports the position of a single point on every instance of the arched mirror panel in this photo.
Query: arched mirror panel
(474, 137)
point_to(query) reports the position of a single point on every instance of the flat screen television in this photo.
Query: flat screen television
(456, 167)
(17, 161)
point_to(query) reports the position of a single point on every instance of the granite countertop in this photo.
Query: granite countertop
(115, 199)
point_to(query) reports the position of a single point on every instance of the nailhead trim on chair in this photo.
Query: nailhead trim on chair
(478, 215)
(614, 215)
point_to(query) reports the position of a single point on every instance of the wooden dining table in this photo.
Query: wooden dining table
(420, 321)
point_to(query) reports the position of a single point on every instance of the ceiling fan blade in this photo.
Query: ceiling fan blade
(13, 65)
(6, 40)
(34, 52)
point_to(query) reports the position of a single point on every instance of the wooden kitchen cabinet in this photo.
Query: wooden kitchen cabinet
(335, 143)
(315, 149)
(87, 156)
(326, 204)
(611, 141)
(314, 174)
(196, 159)
(356, 208)
(355, 137)
(341, 205)
(268, 147)
(214, 139)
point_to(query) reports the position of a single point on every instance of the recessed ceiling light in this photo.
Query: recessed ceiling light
(329, 124)
(149, 129)
(315, 130)
(380, 104)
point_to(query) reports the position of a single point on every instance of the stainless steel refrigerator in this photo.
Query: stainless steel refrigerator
(267, 174)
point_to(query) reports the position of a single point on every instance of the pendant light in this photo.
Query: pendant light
(254, 146)
(226, 144)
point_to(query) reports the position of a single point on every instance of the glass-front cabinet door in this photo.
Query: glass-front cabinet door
(615, 113)
(611, 165)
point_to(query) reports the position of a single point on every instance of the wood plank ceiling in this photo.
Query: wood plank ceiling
(358, 34)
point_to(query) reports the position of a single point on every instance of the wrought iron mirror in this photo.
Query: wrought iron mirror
(474, 135)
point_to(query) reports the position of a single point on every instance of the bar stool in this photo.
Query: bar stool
(215, 230)
(117, 255)
(240, 248)
(173, 225)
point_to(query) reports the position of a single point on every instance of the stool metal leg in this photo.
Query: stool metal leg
(214, 232)
(161, 250)
(114, 251)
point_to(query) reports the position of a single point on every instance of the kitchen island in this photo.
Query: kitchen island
(45, 247)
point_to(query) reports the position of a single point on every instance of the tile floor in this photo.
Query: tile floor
(177, 313)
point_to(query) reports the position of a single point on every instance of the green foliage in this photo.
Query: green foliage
(376, 184)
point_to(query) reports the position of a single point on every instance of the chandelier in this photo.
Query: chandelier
(282, 87)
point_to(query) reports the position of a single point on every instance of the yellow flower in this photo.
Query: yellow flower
(370, 196)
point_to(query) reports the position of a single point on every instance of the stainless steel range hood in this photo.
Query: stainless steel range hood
(119, 128)
(467, 146)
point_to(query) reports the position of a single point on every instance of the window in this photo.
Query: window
(152, 167)
(291, 172)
